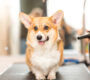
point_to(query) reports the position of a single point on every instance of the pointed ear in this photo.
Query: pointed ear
(57, 18)
(25, 19)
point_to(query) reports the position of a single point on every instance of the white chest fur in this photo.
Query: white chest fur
(45, 59)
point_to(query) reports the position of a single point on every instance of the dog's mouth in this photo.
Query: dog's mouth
(42, 42)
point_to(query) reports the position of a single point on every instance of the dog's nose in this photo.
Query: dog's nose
(39, 37)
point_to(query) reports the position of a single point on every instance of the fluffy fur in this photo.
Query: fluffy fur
(46, 55)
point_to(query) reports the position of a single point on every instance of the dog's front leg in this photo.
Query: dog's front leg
(52, 73)
(38, 74)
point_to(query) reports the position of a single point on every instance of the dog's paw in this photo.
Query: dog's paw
(51, 76)
(40, 77)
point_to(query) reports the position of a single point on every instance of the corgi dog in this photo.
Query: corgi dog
(44, 52)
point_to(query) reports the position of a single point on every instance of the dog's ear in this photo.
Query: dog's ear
(25, 19)
(57, 18)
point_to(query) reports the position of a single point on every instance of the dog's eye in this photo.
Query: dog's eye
(46, 27)
(35, 28)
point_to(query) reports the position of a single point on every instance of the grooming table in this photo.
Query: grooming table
(70, 72)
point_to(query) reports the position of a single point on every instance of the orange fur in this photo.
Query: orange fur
(61, 48)
(50, 35)
(29, 51)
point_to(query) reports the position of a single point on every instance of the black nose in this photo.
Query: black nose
(39, 37)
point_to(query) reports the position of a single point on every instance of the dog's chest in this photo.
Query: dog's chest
(45, 59)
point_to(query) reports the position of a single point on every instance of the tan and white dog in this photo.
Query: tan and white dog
(44, 53)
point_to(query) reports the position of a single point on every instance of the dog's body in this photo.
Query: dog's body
(44, 52)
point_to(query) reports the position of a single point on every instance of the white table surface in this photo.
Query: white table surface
(8, 61)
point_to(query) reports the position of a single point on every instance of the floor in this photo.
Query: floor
(69, 72)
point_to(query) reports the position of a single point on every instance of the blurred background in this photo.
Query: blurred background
(76, 22)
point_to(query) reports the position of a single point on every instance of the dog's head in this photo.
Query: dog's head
(42, 31)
